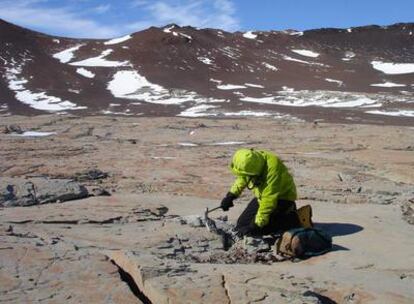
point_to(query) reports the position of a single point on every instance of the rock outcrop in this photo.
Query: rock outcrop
(36, 191)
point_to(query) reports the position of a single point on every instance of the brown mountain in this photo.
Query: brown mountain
(363, 74)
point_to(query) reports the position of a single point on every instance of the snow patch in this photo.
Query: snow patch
(100, 61)
(67, 55)
(163, 157)
(269, 66)
(238, 94)
(232, 53)
(254, 85)
(4, 107)
(126, 113)
(35, 134)
(205, 60)
(129, 84)
(85, 73)
(296, 33)
(198, 111)
(216, 81)
(349, 56)
(118, 40)
(249, 35)
(36, 100)
(302, 61)
(230, 87)
(185, 36)
(399, 113)
(187, 144)
(248, 113)
(319, 98)
(387, 85)
(338, 82)
(391, 68)
(306, 53)
(169, 30)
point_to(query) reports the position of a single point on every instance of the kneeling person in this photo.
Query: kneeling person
(273, 209)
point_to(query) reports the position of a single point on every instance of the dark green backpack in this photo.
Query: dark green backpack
(303, 243)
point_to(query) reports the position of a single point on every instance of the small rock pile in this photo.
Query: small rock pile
(222, 248)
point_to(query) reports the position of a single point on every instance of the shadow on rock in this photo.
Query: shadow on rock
(336, 247)
(339, 229)
(322, 299)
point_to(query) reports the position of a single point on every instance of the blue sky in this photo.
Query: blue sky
(104, 18)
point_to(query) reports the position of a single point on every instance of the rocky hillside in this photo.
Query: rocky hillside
(363, 74)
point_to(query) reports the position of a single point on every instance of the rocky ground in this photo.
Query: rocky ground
(134, 238)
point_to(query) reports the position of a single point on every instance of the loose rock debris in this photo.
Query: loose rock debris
(217, 246)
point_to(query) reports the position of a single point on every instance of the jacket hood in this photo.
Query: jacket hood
(247, 162)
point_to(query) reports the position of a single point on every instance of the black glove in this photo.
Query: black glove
(227, 201)
(252, 229)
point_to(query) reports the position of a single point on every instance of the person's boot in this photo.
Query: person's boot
(305, 216)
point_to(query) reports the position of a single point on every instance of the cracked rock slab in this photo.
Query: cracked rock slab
(30, 274)
(177, 283)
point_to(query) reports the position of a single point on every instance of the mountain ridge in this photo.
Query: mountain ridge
(323, 73)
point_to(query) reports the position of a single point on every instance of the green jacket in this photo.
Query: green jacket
(265, 174)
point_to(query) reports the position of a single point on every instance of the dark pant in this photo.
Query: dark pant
(283, 218)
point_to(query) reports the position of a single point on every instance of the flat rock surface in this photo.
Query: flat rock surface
(52, 245)
(137, 246)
